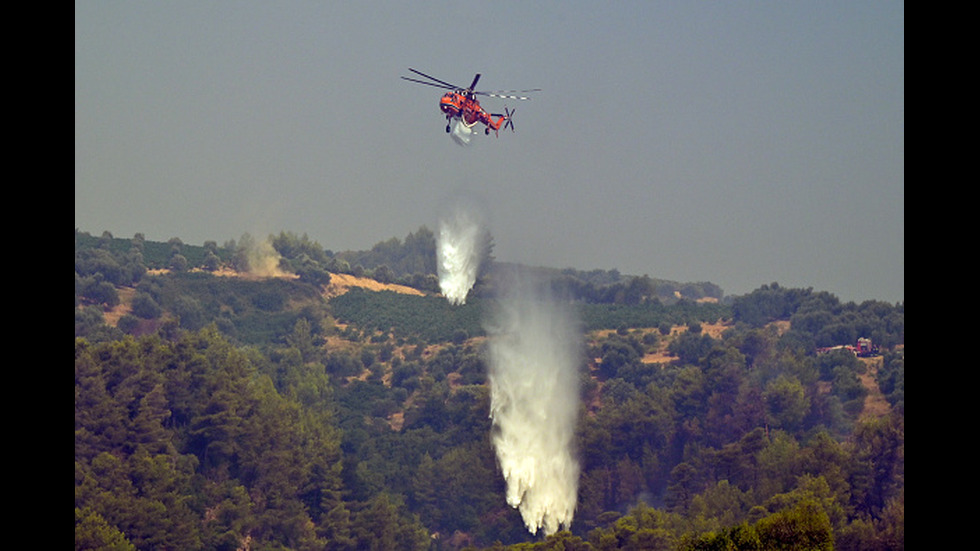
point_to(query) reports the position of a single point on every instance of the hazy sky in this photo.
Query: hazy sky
(737, 142)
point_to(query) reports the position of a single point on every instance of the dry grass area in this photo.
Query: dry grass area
(124, 307)
(714, 330)
(660, 355)
(341, 283)
(875, 404)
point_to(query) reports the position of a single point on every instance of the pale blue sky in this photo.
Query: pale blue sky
(737, 142)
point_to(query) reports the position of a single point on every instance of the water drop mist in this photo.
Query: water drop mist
(459, 250)
(534, 377)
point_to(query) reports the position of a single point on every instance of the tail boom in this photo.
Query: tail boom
(505, 121)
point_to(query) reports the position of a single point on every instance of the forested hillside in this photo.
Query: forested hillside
(223, 401)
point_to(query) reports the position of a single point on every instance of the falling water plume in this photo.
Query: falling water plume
(261, 258)
(461, 133)
(534, 382)
(459, 250)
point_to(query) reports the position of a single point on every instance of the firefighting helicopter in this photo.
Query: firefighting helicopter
(460, 103)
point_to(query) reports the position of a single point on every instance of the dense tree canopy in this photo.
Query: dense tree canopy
(223, 413)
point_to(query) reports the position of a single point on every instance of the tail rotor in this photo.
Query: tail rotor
(509, 119)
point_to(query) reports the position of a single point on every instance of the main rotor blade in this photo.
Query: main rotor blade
(475, 79)
(429, 83)
(512, 91)
(509, 94)
(444, 83)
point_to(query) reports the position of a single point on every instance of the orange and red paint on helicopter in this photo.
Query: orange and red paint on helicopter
(461, 104)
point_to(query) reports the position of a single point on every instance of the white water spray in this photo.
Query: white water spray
(459, 250)
(534, 406)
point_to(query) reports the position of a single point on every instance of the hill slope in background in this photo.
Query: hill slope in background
(409, 262)
(313, 405)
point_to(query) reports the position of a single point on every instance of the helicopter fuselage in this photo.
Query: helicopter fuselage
(458, 106)
(461, 104)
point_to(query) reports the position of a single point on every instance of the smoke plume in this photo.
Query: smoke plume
(534, 380)
(459, 250)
